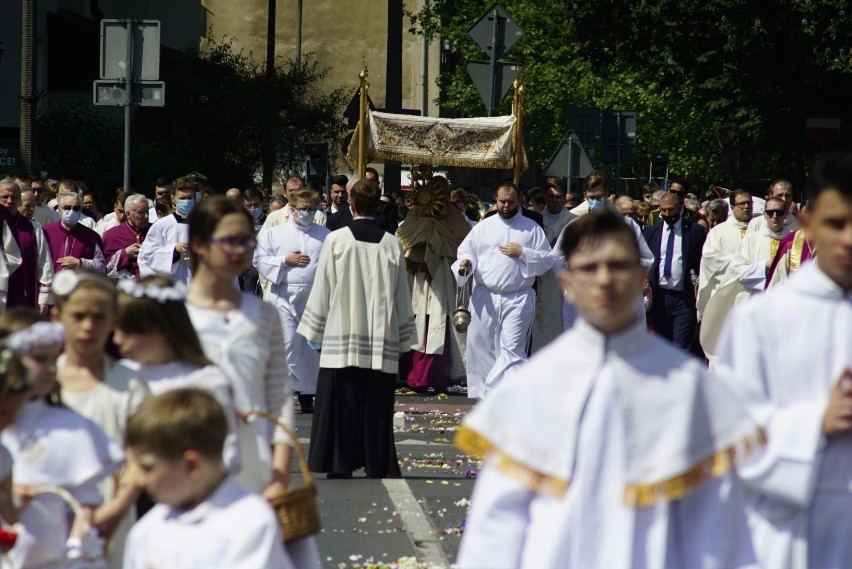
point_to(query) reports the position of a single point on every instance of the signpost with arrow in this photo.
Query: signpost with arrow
(495, 32)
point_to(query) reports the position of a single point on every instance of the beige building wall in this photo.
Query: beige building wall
(338, 34)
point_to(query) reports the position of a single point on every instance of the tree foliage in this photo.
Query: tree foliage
(702, 76)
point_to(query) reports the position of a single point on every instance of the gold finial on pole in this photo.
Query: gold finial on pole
(362, 122)
(518, 110)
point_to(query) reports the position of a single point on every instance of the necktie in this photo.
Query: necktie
(667, 268)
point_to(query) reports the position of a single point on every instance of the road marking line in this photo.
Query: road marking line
(427, 548)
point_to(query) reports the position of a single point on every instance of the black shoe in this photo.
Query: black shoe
(306, 403)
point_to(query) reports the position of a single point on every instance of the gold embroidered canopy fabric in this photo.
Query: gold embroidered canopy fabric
(475, 143)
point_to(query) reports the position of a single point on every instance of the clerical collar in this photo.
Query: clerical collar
(180, 219)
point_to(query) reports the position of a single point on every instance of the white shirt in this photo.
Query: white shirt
(758, 223)
(230, 529)
(676, 280)
(279, 242)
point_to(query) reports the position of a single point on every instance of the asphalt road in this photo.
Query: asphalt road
(418, 517)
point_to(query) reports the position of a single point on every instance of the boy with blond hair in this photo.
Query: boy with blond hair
(203, 517)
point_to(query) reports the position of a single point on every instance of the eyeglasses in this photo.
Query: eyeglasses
(743, 204)
(38, 190)
(775, 212)
(70, 207)
(235, 242)
(617, 269)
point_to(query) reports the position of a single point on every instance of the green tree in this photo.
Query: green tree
(702, 76)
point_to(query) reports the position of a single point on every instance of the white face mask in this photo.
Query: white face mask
(304, 218)
(70, 216)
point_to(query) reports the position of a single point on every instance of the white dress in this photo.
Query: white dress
(109, 405)
(179, 374)
(248, 345)
(54, 446)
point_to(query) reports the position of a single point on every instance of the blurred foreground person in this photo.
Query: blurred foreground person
(801, 489)
(620, 447)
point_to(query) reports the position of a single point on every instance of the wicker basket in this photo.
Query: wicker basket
(297, 509)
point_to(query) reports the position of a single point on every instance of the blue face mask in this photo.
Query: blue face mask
(198, 196)
(184, 207)
(70, 216)
(595, 204)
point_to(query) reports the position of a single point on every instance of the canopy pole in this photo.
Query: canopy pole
(362, 125)
(518, 111)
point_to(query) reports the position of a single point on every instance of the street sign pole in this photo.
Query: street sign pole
(618, 153)
(129, 80)
(495, 38)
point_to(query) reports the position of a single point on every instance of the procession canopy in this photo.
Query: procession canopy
(486, 142)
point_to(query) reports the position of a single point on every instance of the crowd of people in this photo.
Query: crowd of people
(645, 393)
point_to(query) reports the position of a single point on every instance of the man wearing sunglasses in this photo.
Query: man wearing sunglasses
(792, 350)
(783, 189)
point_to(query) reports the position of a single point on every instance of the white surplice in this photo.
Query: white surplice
(289, 292)
(548, 321)
(788, 347)
(719, 248)
(502, 304)
(597, 468)
(157, 254)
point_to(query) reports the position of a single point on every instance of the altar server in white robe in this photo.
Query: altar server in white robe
(720, 247)
(791, 349)
(548, 313)
(165, 250)
(287, 257)
(619, 448)
(504, 254)
(280, 217)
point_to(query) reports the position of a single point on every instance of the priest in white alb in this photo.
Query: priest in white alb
(165, 250)
(746, 274)
(779, 188)
(791, 350)
(504, 254)
(610, 448)
(721, 245)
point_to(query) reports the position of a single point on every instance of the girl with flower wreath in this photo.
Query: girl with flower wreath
(101, 388)
(155, 335)
(51, 446)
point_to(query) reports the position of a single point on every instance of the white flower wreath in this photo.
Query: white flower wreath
(37, 335)
(162, 294)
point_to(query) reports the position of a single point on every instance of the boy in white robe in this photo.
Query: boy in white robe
(504, 254)
(792, 350)
(619, 450)
(203, 517)
(165, 250)
(287, 256)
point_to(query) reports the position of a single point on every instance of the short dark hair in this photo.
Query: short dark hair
(680, 181)
(252, 193)
(205, 217)
(162, 181)
(365, 197)
(340, 180)
(592, 227)
(536, 196)
(832, 171)
(738, 192)
(370, 170)
(508, 184)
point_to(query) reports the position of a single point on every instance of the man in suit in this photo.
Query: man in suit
(343, 217)
(676, 243)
